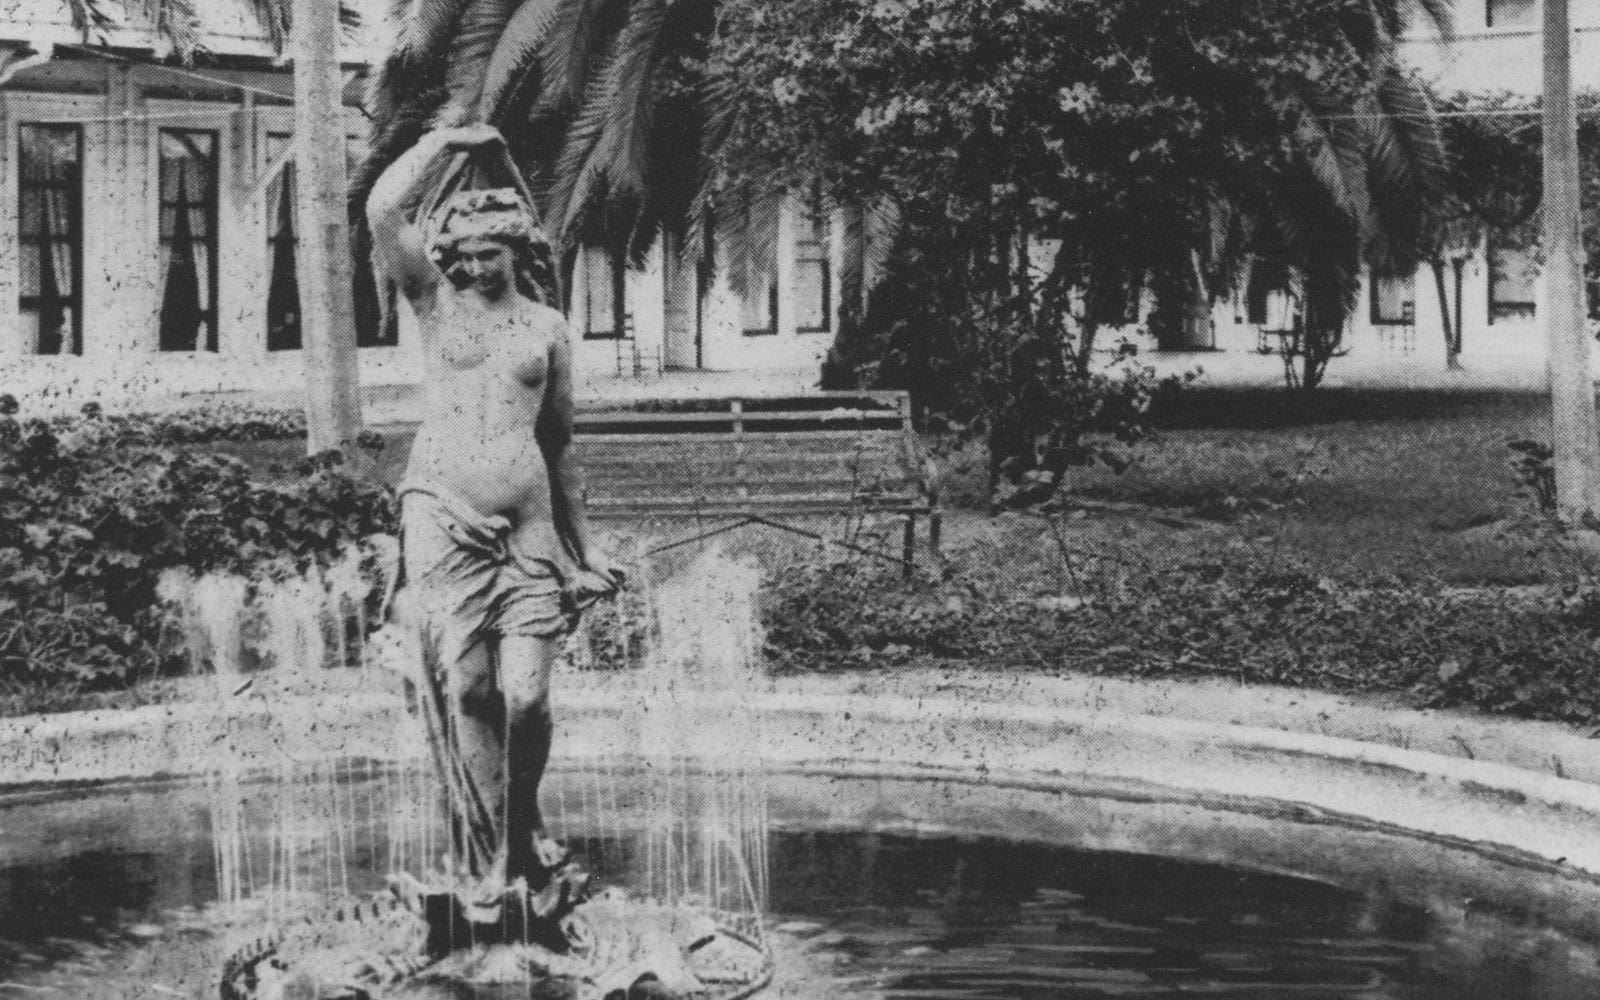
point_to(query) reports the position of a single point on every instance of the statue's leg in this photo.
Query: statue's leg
(525, 663)
(478, 784)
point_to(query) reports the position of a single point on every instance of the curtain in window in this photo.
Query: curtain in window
(603, 308)
(188, 173)
(753, 255)
(1513, 280)
(1393, 298)
(758, 308)
(50, 189)
(373, 327)
(283, 289)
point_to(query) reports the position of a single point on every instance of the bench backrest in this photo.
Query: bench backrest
(816, 452)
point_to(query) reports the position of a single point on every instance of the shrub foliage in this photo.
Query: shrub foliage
(1255, 620)
(94, 509)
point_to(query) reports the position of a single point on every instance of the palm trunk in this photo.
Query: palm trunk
(325, 271)
(1573, 419)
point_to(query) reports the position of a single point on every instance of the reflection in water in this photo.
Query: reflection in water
(898, 917)
(876, 915)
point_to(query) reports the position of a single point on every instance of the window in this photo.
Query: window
(758, 309)
(1394, 299)
(605, 306)
(283, 287)
(373, 328)
(49, 235)
(1511, 13)
(188, 192)
(1512, 273)
(811, 289)
(1256, 303)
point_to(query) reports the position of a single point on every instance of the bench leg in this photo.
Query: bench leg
(935, 523)
(908, 547)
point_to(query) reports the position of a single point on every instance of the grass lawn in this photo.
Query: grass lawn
(1388, 483)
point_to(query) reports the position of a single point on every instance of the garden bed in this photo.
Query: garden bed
(1388, 555)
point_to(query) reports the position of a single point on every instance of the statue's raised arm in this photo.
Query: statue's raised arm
(410, 185)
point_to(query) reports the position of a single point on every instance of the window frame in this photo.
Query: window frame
(821, 237)
(772, 271)
(1503, 310)
(287, 178)
(384, 332)
(1489, 20)
(74, 301)
(1408, 311)
(771, 329)
(211, 206)
(619, 329)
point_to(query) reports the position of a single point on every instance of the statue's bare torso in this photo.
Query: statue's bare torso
(489, 365)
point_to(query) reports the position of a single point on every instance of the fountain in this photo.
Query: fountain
(898, 847)
(687, 923)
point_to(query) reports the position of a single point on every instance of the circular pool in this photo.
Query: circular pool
(882, 885)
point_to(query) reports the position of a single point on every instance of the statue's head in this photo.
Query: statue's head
(462, 234)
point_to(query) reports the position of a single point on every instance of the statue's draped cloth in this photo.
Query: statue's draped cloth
(470, 581)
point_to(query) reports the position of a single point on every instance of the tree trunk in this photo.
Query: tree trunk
(325, 271)
(1452, 338)
(1576, 437)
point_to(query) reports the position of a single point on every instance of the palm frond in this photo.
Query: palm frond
(426, 30)
(274, 18)
(747, 234)
(178, 21)
(1333, 149)
(882, 223)
(515, 55)
(719, 97)
(93, 16)
(1439, 14)
(1408, 169)
(606, 154)
(572, 171)
(571, 44)
(481, 24)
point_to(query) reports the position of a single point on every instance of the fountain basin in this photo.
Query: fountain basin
(900, 884)
(1493, 809)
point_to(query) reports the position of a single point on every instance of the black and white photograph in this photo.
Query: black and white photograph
(799, 499)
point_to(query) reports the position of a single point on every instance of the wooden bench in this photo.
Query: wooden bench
(748, 461)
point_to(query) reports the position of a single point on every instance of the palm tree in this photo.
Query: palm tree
(1366, 184)
(611, 123)
(597, 98)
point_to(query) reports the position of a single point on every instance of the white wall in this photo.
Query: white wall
(1503, 58)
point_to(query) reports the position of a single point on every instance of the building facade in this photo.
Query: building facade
(146, 236)
(1496, 48)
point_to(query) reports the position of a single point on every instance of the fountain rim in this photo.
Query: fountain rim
(1539, 817)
